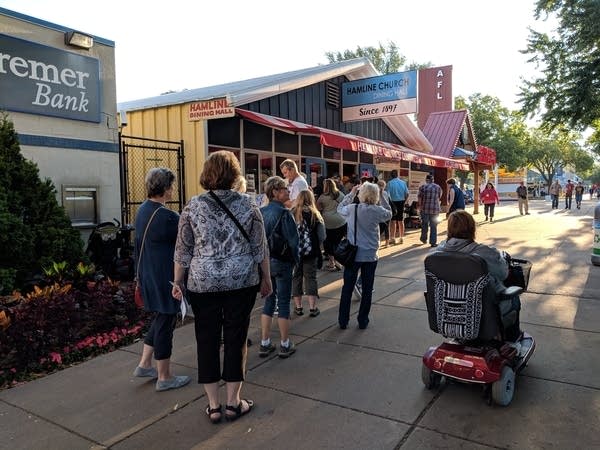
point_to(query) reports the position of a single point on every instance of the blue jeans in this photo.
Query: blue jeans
(429, 221)
(367, 274)
(554, 201)
(281, 279)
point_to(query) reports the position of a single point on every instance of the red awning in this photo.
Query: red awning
(337, 139)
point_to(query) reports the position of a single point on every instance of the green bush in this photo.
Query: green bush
(34, 229)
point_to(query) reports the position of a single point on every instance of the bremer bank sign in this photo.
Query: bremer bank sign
(43, 80)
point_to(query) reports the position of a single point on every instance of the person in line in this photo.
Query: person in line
(429, 204)
(522, 198)
(569, 187)
(335, 223)
(555, 189)
(225, 267)
(155, 244)
(489, 199)
(283, 235)
(398, 193)
(456, 198)
(296, 182)
(369, 216)
(461, 238)
(384, 227)
(311, 234)
(579, 194)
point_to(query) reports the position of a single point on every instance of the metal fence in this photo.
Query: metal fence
(137, 155)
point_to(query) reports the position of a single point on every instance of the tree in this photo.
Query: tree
(568, 89)
(34, 230)
(385, 59)
(547, 152)
(497, 127)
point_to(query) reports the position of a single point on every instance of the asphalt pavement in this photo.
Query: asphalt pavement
(357, 389)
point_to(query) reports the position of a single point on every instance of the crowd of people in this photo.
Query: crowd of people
(229, 248)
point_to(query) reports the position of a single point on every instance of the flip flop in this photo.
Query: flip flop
(238, 410)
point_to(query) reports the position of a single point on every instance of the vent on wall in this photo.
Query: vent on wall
(333, 95)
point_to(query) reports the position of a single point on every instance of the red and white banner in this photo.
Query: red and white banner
(217, 108)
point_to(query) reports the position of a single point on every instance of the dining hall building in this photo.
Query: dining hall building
(294, 115)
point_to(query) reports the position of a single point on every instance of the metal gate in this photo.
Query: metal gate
(137, 155)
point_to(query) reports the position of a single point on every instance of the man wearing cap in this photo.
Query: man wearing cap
(522, 198)
(429, 205)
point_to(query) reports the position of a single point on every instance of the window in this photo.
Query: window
(80, 204)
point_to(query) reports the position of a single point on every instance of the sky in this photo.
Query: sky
(186, 44)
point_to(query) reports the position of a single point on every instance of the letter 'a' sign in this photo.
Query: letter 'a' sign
(376, 97)
(38, 79)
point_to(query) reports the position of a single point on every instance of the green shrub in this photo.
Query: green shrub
(34, 229)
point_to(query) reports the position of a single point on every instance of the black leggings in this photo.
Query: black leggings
(160, 335)
(333, 238)
(489, 208)
(227, 314)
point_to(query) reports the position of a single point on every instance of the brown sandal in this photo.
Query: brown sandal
(237, 410)
(210, 411)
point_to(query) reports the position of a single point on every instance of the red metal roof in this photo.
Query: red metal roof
(443, 130)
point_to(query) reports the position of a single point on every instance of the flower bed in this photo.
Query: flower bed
(64, 324)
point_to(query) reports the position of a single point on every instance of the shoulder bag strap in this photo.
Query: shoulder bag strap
(229, 213)
(355, 222)
(143, 241)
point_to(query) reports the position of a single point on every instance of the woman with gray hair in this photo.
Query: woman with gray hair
(366, 223)
(156, 233)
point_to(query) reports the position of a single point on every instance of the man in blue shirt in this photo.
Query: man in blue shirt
(398, 191)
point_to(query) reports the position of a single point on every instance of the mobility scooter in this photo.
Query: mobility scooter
(463, 307)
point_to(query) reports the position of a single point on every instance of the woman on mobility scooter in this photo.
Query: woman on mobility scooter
(461, 238)
(468, 302)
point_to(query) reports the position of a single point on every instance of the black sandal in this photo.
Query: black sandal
(237, 410)
(210, 411)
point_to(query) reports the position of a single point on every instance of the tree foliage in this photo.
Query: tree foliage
(386, 59)
(568, 91)
(497, 127)
(34, 229)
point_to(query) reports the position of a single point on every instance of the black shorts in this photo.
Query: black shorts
(399, 211)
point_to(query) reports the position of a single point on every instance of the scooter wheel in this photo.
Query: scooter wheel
(430, 379)
(504, 389)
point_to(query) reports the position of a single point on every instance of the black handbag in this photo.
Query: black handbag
(345, 252)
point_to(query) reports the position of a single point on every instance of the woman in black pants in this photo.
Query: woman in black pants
(221, 244)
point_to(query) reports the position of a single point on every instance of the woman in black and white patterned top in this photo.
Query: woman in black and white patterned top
(225, 270)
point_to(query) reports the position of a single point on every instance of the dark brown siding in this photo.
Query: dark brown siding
(309, 105)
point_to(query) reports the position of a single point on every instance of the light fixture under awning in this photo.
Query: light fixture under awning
(337, 139)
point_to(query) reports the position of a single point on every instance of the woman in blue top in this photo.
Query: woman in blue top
(156, 233)
(369, 215)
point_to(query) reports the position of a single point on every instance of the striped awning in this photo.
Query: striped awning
(337, 139)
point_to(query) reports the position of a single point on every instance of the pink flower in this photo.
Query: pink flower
(56, 358)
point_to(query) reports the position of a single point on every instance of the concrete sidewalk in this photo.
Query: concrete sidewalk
(357, 389)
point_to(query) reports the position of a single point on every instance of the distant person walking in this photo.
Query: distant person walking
(489, 199)
(569, 187)
(455, 197)
(429, 205)
(398, 191)
(579, 194)
(555, 189)
(522, 198)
